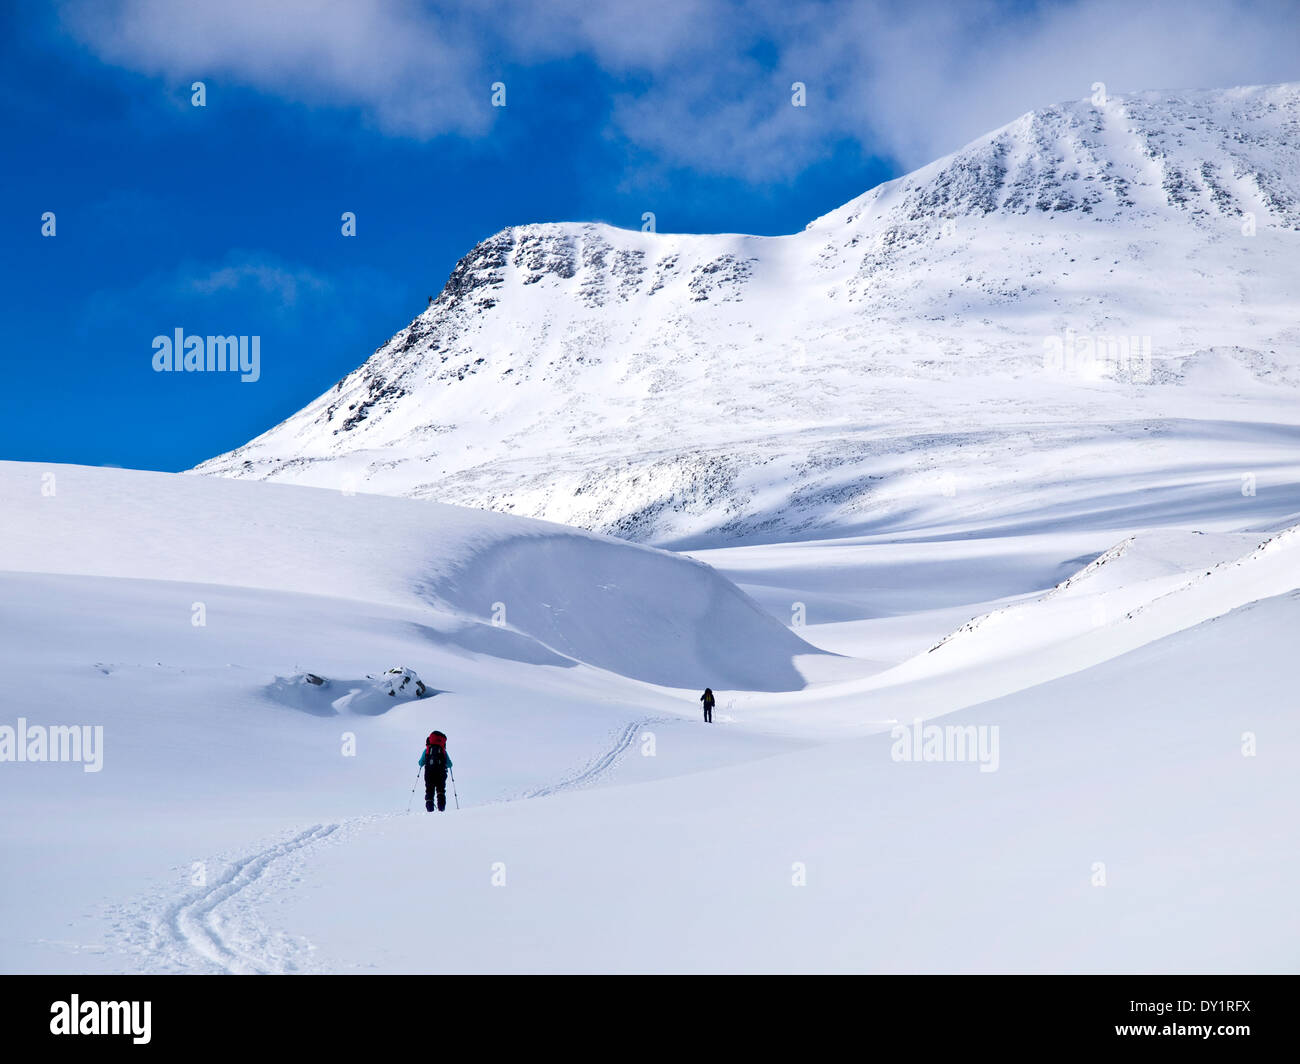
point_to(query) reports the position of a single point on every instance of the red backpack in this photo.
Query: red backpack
(435, 750)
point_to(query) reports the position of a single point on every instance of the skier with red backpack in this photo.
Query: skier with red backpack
(436, 763)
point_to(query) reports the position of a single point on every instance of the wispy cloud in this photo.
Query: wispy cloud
(252, 287)
(930, 79)
(283, 283)
(706, 84)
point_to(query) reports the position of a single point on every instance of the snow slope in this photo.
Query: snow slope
(246, 821)
(1148, 587)
(556, 592)
(1134, 766)
(1087, 287)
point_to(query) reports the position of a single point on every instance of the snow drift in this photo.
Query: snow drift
(485, 582)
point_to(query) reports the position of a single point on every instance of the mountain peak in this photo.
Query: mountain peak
(1200, 151)
(683, 388)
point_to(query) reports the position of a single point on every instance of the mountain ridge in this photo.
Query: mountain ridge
(697, 388)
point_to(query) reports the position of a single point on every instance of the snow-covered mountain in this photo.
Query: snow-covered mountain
(1088, 277)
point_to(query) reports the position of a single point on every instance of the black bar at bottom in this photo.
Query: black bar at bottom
(1229, 1014)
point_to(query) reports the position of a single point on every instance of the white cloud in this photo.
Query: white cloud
(705, 84)
(411, 72)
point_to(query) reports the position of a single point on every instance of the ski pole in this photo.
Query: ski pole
(453, 787)
(413, 786)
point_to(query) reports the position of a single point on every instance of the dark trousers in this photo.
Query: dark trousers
(436, 786)
(708, 713)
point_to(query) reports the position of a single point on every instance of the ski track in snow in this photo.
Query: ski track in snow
(599, 767)
(202, 925)
(218, 930)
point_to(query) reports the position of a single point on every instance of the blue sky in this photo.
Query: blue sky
(226, 218)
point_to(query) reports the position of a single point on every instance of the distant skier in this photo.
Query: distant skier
(707, 699)
(435, 761)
